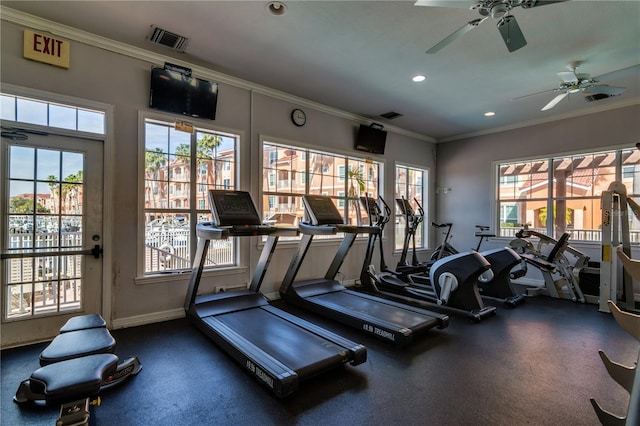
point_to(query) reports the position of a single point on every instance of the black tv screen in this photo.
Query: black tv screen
(371, 140)
(174, 92)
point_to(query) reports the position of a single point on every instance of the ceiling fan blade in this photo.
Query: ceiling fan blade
(511, 34)
(554, 101)
(527, 4)
(614, 75)
(568, 76)
(603, 88)
(534, 94)
(446, 3)
(455, 35)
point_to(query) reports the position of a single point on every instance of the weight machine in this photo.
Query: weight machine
(615, 282)
(559, 273)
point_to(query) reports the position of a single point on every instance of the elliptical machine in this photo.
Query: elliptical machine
(450, 285)
(496, 282)
(411, 223)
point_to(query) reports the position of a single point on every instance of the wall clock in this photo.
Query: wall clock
(298, 117)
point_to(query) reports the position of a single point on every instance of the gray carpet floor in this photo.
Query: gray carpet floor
(537, 364)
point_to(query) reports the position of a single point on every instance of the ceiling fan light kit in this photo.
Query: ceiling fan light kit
(573, 83)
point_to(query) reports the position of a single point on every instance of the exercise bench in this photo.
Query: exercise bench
(77, 364)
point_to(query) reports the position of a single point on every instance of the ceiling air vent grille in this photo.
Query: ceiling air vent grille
(169, 39)
(390, 115)
(597, 97)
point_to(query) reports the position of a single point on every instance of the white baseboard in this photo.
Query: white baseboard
(147, 318)
(178, 313)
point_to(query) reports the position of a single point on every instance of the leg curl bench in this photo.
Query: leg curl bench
(75, 367)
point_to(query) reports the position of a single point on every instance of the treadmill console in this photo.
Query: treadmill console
(322, 210)
(233, 208)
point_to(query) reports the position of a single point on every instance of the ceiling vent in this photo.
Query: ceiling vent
(390, 115)
(597, 97)
(167, 38)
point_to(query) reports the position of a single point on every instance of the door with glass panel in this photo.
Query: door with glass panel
(51, 248)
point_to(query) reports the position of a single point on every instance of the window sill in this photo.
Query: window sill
(184, 276)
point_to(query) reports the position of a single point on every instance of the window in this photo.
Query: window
(175, 203)
(43, 113)
(303, 171)
(410, 184)
(568, 186)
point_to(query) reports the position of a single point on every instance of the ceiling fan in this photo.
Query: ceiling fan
(497, 9)
(582, 83)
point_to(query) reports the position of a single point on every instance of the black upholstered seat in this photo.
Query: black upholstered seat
(74, 378)
(75, 344)
(83, 322)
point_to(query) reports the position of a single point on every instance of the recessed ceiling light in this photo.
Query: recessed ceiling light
(489, 114)
(418, 78)
(276, 8)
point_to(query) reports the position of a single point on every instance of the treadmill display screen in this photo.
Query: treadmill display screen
(233, 208)
(322, 210)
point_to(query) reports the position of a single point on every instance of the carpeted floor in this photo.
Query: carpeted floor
(537, 364)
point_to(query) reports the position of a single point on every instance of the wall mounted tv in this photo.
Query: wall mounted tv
(371, 139)
(179, 93)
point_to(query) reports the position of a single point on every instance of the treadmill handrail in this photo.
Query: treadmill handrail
(209, 230)
(309, 229)
(358, 229)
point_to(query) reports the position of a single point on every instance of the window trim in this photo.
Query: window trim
(426, 230)
(495, 182)
(305, 148)
(172, 276)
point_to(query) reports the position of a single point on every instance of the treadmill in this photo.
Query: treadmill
(385, 319)
(277, 348)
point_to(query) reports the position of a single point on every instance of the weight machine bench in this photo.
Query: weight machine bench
(555, 262)
(74, 368)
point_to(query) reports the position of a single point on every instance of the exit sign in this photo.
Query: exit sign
(46, 48)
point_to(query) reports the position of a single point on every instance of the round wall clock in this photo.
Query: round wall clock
(298, 117)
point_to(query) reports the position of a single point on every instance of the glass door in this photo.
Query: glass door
(51, 245)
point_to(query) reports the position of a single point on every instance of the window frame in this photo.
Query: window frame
(194, 212)
(552, 198)
(399, 226)
(306, 155)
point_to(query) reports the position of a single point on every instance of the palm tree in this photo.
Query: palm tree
(205, 154)
(320, 162)
(356, 177)
(155, 163)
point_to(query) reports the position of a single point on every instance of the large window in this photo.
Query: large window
(563, 194)
(43, 113)
(289, 172)
(411, 184)
(179, 170)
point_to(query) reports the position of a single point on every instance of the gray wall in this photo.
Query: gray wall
(122, 81)
(466, 165)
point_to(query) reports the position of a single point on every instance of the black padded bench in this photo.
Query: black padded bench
(76, 344)
(75, 366)
(73, 378)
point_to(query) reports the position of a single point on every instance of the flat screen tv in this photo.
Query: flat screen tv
(175, 92)
(371, 140)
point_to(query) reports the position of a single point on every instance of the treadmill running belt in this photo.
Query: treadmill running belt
(292, 345)
(382, 311)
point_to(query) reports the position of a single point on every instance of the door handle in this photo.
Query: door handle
(95, 251)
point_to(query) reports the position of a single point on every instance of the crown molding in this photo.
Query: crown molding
(71, 33)
(586, 111)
